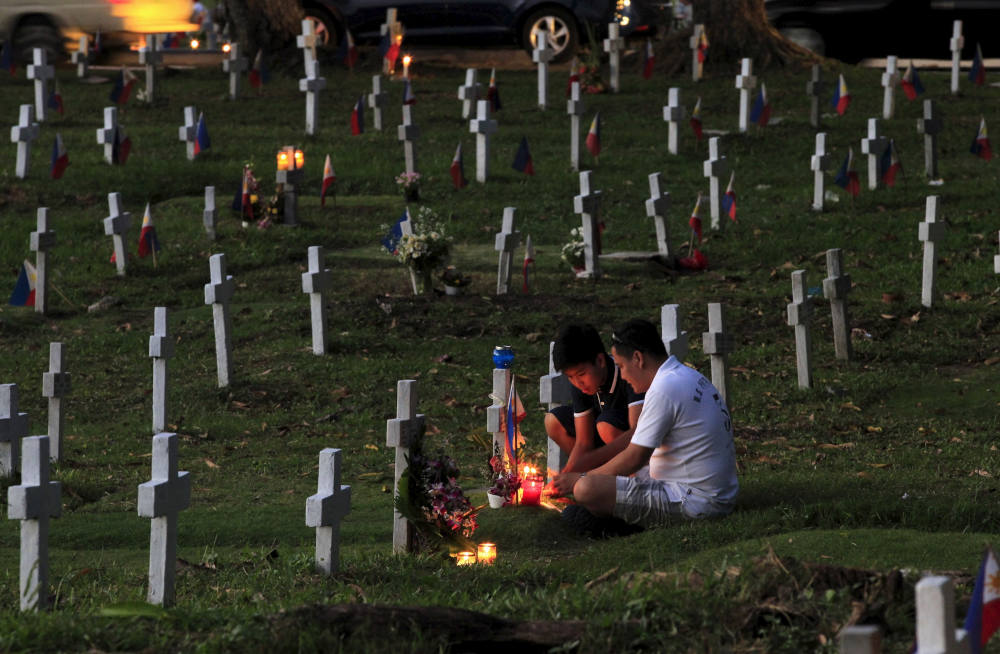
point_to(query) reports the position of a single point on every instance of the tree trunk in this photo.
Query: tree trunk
(263, 24)
(735, 29)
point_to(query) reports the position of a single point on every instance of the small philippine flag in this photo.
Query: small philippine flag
(912, 86)
(123, 86)
(649, 60)
(55, 101)
(60, 159)
(694, 222)
(458, 169)
(348, 52)
(983, 618)
(358, 117)
(847, 176)
(890, 164)
(7, 57)
(148, 243)
(574, 76)
(760, 113)
(121, 147)
(258, 74)
(329, 177)
(841, 96)
(977, 74)
(981, 144)
(391, 240)
(702, 47)
(201, 140)
(729, 199)
(593, 141)
(696, 119)
(24, 289)
(493, 92)
(522, 160)
(529, 258)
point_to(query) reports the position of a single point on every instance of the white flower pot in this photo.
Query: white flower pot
(496, 501)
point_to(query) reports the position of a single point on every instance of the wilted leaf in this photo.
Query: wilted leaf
(880, 465)
(980, 473)
(836, 446)
(872, 429)
(211, 464)
(371, 446)
(851, 406)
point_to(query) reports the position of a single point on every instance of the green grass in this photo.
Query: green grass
(889, 462)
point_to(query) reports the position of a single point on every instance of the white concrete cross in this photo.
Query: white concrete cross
(235, 65)
(936, 631)
(326, 509)
(819, 163)
(674, 338)
(408, 133)
(860, 639)
(13, 427)
(218, 293)
(505, 243)
(150, 57)
(657, 205)
(715, 168)
(469, 92)
(166, 494)
(745, 82)
(307, 42)
(42, 240)
(996, 260)
(697, 66)
(874, 146)
(311, 85)
(588, 205)
(316, 282)
(56, 384)
(717, 343)
(33, 502)
(188, 132)
(23, 134)
(116, 226)
(482, 126)
(161, 349)
(614, 45)
(800, 313)
(554, 390)
(930, 126)
(209, 215)
(673, 114)
(890, 78)
(575, 109)
(542, 55)
(956, 44)
(81, 58)
(930, 232)
(41, 71)
(815, 89)
(496, 412)
(401, 433)
(377, 99)
(836, 287)
(106, 134)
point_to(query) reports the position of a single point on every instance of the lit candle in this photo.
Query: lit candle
(226, 48)
(194, 44)
(406, 66)
(487, 553)
(465, 558)
(532, 492)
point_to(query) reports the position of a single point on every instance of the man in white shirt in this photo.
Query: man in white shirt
(684, 433)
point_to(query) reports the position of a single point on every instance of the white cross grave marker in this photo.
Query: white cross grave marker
(307, 42)
(956, 44)
(673, 113)
(150, 57)
(588, 205)
(575, 109)
(996, 259)
(33, 502)
(815, 88)
(218, 293)
(23, 134)
(697, 66)
(401, 433)
(235, 65)
(542, 55)
(188, 132)
(209, 215)
(106, 134)
(377, 99)
(890, 78)
(836, 286)
(674, 338)
(311, 85)
(506, 242)
(116, 226)
(717, 344)
(13, 427)
(56, 384)
(614, 45)
(930, 126)
(81, 58)
(408, 133)
(316, 282)
(326, 509)
(860, 639)
(482, 126)
(800, 313)
(166, 494)
(820, 162)
(745, 82)
(469, 92)
(657, 205)
(496, 412)
(554, 390)
(936, 632)
(874, 145)
(41, 71)
(161, 349)
(931, 231)
(715, 168)
(42, 240)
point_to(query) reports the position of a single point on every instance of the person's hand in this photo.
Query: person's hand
(563, 483)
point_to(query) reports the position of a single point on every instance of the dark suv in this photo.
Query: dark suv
(476, 22)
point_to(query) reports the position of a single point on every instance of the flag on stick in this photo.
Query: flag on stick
(458, 169)
(729, 199)
(24, 289)
(123, 86)
(201, 141)
(977, 74)
(702, 47)
(55, 101)
(259, 74)
(841, 96)
(522, 160)
(529, 258)
(981, 144)
(593, 141)
(696, 119)
(760, 113)
(649, 61)
(911, 82)
(694, 222)
(891, 165)
(358, 117)
(983, 618)
(148, 243)
(60, 159)
(329, 177)
(493, 93)
(847, 176)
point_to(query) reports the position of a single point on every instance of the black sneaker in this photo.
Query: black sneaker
(586, 523)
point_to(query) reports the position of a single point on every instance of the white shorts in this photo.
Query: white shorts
(650, 502)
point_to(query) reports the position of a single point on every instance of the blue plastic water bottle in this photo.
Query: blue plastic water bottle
(503, 356)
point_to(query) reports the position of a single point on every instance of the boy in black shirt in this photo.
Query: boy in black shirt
(605, 407)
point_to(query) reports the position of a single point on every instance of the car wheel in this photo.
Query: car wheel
(37, 33)
(807, 37)
(325, 26)
(564, 35)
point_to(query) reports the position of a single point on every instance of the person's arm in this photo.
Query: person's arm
(634, 410)
(582, 443)
(601, 455)
(627, 462)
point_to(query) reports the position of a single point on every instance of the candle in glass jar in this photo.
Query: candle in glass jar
(487, 553)
(531, 494)
(465, 558)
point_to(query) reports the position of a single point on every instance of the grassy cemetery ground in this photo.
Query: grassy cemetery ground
(888, 464)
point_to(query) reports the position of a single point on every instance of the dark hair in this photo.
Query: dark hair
(638, 335)
(576, 344)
